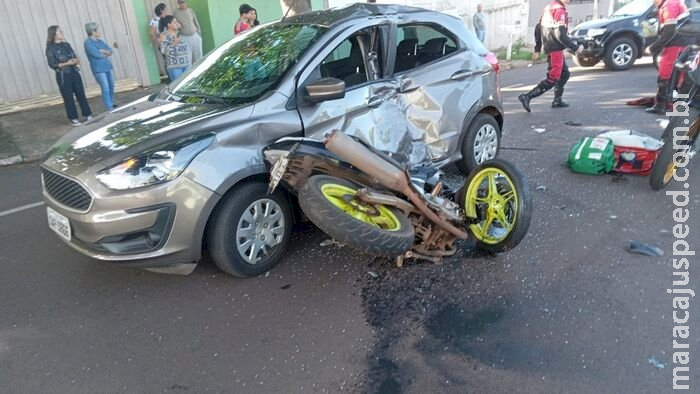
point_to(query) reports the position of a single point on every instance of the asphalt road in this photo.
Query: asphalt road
(569, 310)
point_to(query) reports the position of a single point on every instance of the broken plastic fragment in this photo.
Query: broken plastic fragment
(640, 247)
(540, 130)
(541, 188)
(657, 363)
(373, 274)
(573, 123)
(330, 242)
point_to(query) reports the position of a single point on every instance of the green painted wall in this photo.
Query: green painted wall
(223, 14)
(143, 16)
(216, 18)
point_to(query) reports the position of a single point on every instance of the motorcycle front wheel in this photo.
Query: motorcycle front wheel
(665, 165)
(497, 195)
(331, 204)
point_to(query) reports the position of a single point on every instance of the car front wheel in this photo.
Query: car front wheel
(480, 144)
(250, 230)
(621, 54)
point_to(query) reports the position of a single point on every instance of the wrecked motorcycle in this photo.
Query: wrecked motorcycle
(365, 199)
(680, 136)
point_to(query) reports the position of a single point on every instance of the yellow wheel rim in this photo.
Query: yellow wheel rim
(344, 199)
(491, 197)
(670, 170)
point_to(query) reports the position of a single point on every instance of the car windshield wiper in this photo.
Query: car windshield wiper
(208, 97)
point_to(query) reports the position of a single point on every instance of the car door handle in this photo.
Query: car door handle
(462, 74)
(375, 101)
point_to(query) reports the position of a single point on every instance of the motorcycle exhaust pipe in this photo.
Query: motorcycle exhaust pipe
(383, 173)
(353, 152)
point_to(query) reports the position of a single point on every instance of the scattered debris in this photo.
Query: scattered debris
(657, 363)
(541, 188)
(562, 207)
(285, 287)
(640, 247)
(330, 242)
(373, 274)
(540, 129)
(663, 123)
(613, 217)
(267, 274)
(573, 123)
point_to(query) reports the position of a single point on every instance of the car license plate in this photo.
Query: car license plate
(278, 171)
(59, 224)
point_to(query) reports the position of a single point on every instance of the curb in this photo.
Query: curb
(11, 160)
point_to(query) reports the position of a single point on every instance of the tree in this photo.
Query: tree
(295, 7)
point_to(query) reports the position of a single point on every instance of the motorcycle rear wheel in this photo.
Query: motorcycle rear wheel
(497, 194)
(331, 205)
(665, 166)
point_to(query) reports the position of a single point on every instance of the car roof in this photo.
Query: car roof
(354, 11)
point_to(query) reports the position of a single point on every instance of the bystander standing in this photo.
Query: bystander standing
(175, 49)
(189, 29)
(155, 29)
(99, 53)
(62, 59)
(480, 23)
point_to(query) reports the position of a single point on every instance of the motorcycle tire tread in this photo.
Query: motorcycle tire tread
(348, 230)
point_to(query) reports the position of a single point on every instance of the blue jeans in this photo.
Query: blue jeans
(480, 34)
(173, 73)
(106, 82)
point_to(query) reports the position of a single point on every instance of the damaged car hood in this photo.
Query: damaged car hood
(130, 130)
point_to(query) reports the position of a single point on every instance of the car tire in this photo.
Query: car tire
(323, 200)
(585, 61)
(621, 53)
(250, 230)
(481, 142)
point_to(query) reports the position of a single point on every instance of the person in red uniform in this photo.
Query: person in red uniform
(552, 32)
(670, 45)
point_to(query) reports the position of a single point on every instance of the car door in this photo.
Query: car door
(441, 80)
(368, 110)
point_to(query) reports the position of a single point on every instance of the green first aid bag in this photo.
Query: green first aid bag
(592, 155)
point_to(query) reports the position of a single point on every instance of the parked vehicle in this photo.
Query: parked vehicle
(620, 39)
(363, 198)
(680, 137)
(156, 181)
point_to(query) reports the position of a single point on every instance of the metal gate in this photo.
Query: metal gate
(23, 26)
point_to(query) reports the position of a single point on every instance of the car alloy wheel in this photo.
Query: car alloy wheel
(259, 230)
(622, 54)
(485, 144)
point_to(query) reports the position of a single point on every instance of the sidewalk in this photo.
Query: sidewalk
(29, 129)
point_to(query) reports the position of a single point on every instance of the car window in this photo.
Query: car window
(248, 66)
(421, 44)
(346, 63)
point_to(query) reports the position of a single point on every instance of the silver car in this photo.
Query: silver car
(156, 182)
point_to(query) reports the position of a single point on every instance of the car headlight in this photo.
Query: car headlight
(595, 32)
(158, 165)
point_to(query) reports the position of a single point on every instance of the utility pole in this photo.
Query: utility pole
(595, 9)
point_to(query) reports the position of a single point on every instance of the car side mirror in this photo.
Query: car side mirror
(324, 89)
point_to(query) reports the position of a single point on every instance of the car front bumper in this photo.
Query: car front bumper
(157, 226)
(592, 47)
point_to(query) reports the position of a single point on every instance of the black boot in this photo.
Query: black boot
(525, 98)
(661, 98)
(558, 102)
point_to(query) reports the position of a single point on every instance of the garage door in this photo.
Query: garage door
(23, 26)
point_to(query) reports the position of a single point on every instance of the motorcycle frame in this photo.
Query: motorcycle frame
(435, 235)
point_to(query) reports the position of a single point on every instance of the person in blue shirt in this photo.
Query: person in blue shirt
(98, 53)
